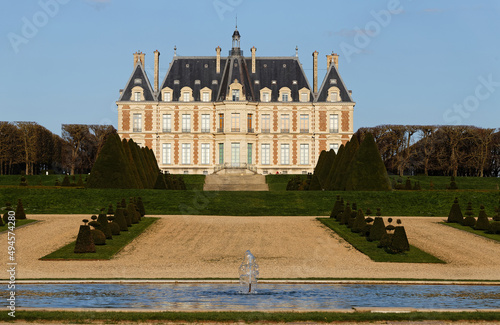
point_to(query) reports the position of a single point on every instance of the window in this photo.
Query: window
(334, 146)
(186, 123)
(205, 123)
(334, 123)
(236, 95)
(205, 96)
(249, 153)
(265, 153)
(285, 154)
(304, 154)
(249, 123)
(167, 123)
(221, 123)
(137, 122)
(303, 97)
(266, 123)
(285, 123)
(166, 154)
(137, 96)
(284, 98)
(304, 123)
(334, 96)
(265, 97)
(221, 153)
(186, 154)
(167, 97)
(186, 96)
(235, 122)
(205, 153)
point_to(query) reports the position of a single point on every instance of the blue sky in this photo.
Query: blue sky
(407, 62)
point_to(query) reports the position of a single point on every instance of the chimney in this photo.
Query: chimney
(141, 58)
(334, 57)
(253, 49)
(315, 72)
(136, 58)
(157, 69)
(217, 64)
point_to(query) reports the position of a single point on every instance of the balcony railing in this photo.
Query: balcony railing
(220, 130)
(235, 129)
(265, 130)
(304, 130)
(137, 129)
(251, 130)
(186, 130)
(285, 130)
(334, 130)
(205, 130)
(167, 130)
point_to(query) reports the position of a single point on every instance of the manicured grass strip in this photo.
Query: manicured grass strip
(278, 203)
(104, 252)
(474, 231)
(370, 249)
(248, 317)
(19, 223)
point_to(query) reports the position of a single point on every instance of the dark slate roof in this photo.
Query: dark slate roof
(138, 73)
(189, 69)
(333, 73)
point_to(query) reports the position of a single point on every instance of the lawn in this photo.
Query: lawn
(103, 252)
(19, 223)
(375, 253)
(473, 231)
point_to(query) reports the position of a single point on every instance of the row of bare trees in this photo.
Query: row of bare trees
(27, 147)
(438, 150)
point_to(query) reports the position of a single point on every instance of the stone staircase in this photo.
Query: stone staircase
(235, 182)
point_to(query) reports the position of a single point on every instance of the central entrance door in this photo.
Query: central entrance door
(235, 154)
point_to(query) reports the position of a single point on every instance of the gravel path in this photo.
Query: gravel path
(285, 247)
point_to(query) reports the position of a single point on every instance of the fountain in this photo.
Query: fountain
(249, 273)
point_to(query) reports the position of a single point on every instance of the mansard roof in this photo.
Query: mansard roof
(333, 75)
(138, 78)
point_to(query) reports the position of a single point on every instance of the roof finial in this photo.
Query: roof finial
(236, 21)
(175, 50)
(297, 51)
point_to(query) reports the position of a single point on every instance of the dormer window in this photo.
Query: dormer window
(334, 95)
(205, 97)
(285, 95)
(185, 96)
(235, 92)
(304, 95)
(167, 97)
(265, 97)
(137, 96)
(236, 95)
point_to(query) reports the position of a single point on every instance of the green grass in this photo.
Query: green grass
(273, 203)
(473, 231)
(19, 223)
(104, 252)
(89, 317)
(375, 253)
(463, 183)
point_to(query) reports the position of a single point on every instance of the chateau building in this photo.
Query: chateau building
(212, 112)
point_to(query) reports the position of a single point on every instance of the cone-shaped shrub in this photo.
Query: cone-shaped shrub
(20, 214)
(338, 216)
(160, 182)
(120, 218)
(367, 171)
(385, 240)
(80, 183)
(469, 219)
(377, 230)
(359, 224)
(354, 213)
(399, 242)
(66, 181)
(453, 184)
(408, 184)
(103, 221)
(328, 184)
(84, 241)
(482, 222)
(336, 208)
(343, 175)
(110, 209)
(114, 226)
(140, 206)
(346, 215)
(132, 212)
(455, 214)
(316, 182)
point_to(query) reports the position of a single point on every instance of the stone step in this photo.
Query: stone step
(235, 187)
(228, 182)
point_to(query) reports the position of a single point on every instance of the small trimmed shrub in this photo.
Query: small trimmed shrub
(20, 214)
(104, 225)
(24, 182)
(399, 242)
(132, 211)
(80, 183)
(338, 216)
(377, 231)
(469, 219)
(359, 223)
(84, 240)
(121, 219)
(58, 183)
(417, 187)
(140, 206)
(336, 208)
(65, 181)
(482, 222)
(453, 184)
(455, 214)
(110, 209)
(346, 215)
(408, 184)
(114, 226)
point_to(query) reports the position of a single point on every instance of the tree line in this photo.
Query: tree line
(457, 150)
(31, 149)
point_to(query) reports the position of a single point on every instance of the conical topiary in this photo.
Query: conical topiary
(408, 184)
(453, 184)
(20, 214)
(343, 175)
(331, 174)
(97, 234)
(316, 182)
(120, 218)
(455, 214)
(114, 226)
(482, 222)
(140, 206)
(132, 211)
(359, 224)
(66, 181)
(377, 230)
(399, 242)
(80, 182)
(110, 209)
(469, 219)
(84, 240)
(346, 215)
(103, 221)
(336, 208)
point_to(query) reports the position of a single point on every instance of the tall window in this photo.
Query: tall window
(284, 98)
(249, 123)
(304, 154)
(137, 122)
(137, 96)
(166, 154)
(335, 147)
(265, 97)
(221, 153)
(205, 96)
(334, 123)
(334, 96)
(221, 123)
(205, 123)
(167, 123)
(304, 123)
(186, 123)
(249, 153)
(285, 123)
(303, 97)
(186, 154)
(266, 123)
(285, 154)
(265, 153)
(186, 96)
(236, 95)
(167, 97)
(205, 153)
(235, 122)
